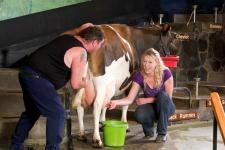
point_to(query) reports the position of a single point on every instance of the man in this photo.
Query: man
(49, 68)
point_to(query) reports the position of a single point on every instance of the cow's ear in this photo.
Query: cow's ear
(165, 28)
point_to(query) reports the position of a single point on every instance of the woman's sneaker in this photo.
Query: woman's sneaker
(160, 138)
(149, 137)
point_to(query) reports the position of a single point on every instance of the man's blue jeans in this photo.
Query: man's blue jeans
(40, 98)
(161, 110)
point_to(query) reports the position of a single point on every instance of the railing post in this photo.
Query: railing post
(196, 86)
(214, 133)
(160, 18)
(215, 15)
(68, 118)
(195, 8)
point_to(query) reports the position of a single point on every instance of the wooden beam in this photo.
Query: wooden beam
(183, 116)
(209, 102)
(218, 112)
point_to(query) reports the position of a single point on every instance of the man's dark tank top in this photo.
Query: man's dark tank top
(49, 60)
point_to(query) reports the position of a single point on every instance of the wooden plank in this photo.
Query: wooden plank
(209, 103)
(218, 112)
(183, 116)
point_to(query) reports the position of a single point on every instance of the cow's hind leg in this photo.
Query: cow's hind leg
(98, 103)
(109, 94)
(124, 116)
(81, 135)
(103, 114)
(97, 142)
(102, 118)
(76, 103)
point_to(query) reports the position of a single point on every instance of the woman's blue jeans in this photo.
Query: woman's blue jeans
(161, 110)
(40, 98)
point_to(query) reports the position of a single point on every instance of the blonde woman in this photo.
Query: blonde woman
(156, 81)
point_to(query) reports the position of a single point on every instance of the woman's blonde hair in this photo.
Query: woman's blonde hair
(158, 72)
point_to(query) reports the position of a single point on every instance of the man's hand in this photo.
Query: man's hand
(76, 30)
(86, 25)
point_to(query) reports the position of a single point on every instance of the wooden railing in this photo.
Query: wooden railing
(12, 105)
(219, 118)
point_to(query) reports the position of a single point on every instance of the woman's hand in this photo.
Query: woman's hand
(111, 105)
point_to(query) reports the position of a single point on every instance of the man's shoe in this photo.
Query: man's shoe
(160, 138)
(150, 133)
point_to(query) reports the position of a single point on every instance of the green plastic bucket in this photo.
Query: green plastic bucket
(114, 133)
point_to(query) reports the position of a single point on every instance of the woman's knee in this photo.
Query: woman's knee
(139, 117)
(143, 114)
(163, 98)
(172, 109)
(165, 102)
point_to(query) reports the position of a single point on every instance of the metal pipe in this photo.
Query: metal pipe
(195, 8)
(196, 86)
(160, 18)
(189, 20)
(215, 15)
(188, 91)
(151, 22)
(214, 133)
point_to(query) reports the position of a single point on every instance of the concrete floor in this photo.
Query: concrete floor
(194, 135)
(191, 135)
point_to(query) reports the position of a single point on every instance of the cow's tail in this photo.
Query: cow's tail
(77, 98)
(79, 95)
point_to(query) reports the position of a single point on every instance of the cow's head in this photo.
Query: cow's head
(167, 44)
(139, 38)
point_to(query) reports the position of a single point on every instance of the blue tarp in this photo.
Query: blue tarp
(180, 6)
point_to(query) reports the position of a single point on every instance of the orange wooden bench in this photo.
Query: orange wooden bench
(219, 117)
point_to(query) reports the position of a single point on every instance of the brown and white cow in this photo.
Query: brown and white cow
(110, 69)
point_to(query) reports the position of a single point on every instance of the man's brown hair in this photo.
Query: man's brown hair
(92, 33)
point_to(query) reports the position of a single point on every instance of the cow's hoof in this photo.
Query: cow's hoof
(97, 144)
(101, 129)
(82, 138)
